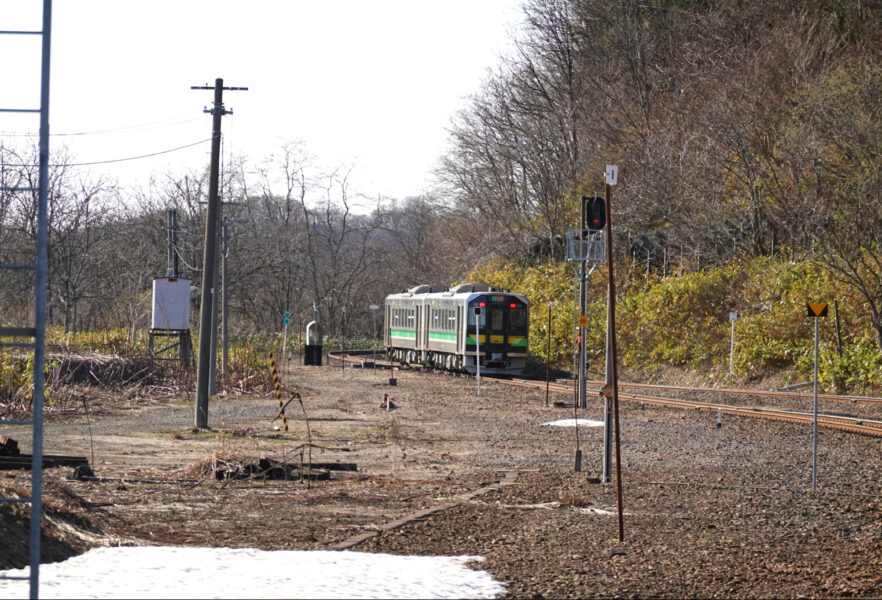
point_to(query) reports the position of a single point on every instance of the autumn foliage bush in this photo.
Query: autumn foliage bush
(683, 321)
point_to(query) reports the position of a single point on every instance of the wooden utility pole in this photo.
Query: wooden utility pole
(209, 255)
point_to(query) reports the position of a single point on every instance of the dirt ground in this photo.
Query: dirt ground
(708, 512)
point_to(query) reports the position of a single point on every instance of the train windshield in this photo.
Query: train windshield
(517, 318)
(482, 321)
(497, 319)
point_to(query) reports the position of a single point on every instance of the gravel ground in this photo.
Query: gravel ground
(708, 512)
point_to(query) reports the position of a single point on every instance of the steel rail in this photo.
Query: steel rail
(745, 392)
(843, 423)
(851, 424)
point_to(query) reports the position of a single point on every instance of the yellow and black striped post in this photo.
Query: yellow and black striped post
(278, 385)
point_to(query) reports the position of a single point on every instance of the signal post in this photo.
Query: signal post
(611, 389)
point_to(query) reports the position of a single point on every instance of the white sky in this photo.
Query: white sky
(176, 572)
(372, 83)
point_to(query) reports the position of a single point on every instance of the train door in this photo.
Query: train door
(417, 324)
(496, 327)
(427, 324)
(459, 330)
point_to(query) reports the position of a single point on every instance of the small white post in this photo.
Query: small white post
(374, 308)
(733, 316)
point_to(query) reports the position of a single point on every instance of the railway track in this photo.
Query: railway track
(747, 392)
(840, 422)
(844, 423)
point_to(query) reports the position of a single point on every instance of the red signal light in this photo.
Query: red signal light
(482, 304)
(595, 212)
(512, 305)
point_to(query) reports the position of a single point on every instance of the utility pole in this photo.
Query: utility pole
(225, 251)
(212, 364)
(209, 255)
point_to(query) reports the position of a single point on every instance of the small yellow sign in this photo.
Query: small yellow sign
(583, 321)
(818, 309)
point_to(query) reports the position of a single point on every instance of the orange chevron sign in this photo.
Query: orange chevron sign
(818, 309)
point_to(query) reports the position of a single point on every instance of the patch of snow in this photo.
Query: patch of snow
(185, 572)
(574, 422)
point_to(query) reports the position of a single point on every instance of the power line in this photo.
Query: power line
(114, 160)
(128, 128)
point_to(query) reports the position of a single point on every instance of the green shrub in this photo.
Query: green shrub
(683, 320)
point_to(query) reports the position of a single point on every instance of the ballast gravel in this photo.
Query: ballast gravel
(708, 512)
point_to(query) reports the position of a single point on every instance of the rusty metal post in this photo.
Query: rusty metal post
(612, 350)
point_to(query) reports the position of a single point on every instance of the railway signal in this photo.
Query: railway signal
(594, 210)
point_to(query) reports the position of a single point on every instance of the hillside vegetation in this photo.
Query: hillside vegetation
(748, 137)
(683, 321)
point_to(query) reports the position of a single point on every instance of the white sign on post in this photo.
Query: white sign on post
(612, 174)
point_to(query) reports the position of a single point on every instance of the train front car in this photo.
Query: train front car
(437, 327)
(501, 326)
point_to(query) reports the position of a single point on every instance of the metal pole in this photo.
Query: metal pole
(582, 331)
(548, 354)
(815, 415)
(576, 293)
(613, 370)
(42, 276)
(582, 306)
(225, 344)
(171, 238)
(732, 344)
(285, 340)
(374, 308)
(478, 313)
(606, 466)
(838, 330)
(343, 339)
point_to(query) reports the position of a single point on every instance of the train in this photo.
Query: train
(458, 329)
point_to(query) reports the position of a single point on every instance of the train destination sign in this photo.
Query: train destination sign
(818, 309)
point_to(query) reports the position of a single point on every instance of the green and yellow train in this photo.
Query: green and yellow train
(454, 329)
